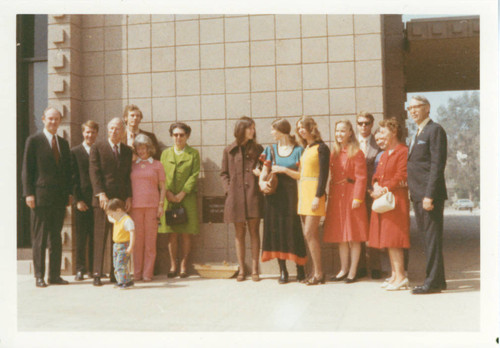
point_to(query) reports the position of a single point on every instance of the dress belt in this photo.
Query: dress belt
(345, 181)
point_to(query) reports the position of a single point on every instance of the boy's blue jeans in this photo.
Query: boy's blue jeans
(120, 262)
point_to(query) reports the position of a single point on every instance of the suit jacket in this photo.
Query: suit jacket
(426, 164)
(109, 175)
(371, 154)
(153, 139)
(48, 181)
(82, 187)
(155, 143)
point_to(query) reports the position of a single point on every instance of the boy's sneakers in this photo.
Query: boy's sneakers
(126, 285)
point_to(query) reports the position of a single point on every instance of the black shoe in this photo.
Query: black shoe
(126, 285)
(376, 274)
(79, 275)
(97, 281)
(183, 275)
(301, 273)
(40, 283)
(172, 274)
(362, 273)
(283, 277)
(338, 279)
(58, 281)
(283, 272)
(423, 290)
(351, 280)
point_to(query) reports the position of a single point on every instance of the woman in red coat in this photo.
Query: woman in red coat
(391, 229)
(346, 219)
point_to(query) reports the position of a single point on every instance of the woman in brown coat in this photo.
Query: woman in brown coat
(239, 175)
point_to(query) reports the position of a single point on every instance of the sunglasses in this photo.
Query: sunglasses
(364, 124)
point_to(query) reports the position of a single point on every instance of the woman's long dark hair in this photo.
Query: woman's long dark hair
(283, 126)
(251, 147)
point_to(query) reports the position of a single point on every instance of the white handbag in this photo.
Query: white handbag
(384, 203)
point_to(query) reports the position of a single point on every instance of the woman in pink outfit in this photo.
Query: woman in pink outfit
(148, 194)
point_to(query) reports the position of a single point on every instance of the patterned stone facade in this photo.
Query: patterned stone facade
(207, 71)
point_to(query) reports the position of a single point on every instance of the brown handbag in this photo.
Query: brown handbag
(272, 178)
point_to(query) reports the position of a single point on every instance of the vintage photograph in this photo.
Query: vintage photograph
(266, 172)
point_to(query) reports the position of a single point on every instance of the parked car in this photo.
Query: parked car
(463, 204)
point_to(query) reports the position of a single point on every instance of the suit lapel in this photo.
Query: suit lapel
(412, 144)
(111, 153)
(416, 138)
(121, 154)
(372, 147)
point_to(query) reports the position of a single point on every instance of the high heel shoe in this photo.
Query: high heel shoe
(351, 280)
(385, 283)
(338, 279)
(172, 274)
(240, 277)
(404, 285)
(301, 273)
(316, 281)
(283, 277)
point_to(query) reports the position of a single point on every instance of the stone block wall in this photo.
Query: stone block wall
(209, 70)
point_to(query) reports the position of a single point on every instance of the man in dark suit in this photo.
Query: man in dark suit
(132, 116)
(46, 177)
(369, 256)
(109, 168)
(82, 193)
(426, 164)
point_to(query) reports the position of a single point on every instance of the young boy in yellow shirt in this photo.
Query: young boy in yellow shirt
(123, 238)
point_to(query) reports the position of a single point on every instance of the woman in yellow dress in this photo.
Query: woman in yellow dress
(312, 183)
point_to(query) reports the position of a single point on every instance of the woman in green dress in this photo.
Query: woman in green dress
(182, 167)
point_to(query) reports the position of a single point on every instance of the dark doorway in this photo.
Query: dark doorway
(31, 100)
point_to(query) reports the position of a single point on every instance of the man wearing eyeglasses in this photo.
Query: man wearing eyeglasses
(369, 256)
(426, 164)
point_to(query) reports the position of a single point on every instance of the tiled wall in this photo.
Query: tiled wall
(208, 70)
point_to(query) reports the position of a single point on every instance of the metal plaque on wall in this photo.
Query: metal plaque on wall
(213, 209)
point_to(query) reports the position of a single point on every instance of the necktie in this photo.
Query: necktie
(115, 151)
(55, 150)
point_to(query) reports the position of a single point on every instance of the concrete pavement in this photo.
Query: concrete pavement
(198, 304)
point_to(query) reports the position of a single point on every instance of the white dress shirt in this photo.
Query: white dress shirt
(49, 138)
(86, 147)
(363, 143)
(113, 145)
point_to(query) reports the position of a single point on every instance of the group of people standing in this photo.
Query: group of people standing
(285, 184)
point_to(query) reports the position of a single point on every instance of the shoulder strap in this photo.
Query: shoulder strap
(273, 155)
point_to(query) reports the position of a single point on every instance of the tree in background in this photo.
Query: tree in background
(460, 119)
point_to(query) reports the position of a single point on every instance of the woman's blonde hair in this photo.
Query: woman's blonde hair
(352, 143)
(309, 125)
(143, 139)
